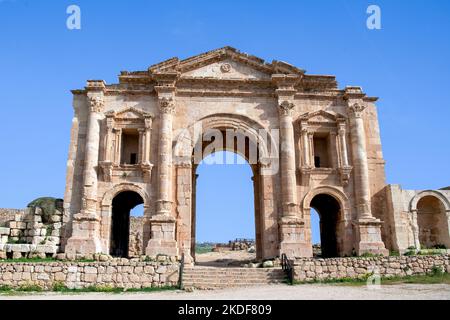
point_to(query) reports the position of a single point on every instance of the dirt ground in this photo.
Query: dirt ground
(224, 258)
(268, 292)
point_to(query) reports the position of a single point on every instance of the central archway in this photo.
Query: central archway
(251, 141)
(225, 206)
(245, 147)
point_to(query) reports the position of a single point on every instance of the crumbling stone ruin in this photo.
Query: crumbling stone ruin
(33, 232)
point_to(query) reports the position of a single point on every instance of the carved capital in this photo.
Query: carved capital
(147, 171)
(345, 174)
(286, 108)
(148, 122)
(110, 123)
(96, 103)
(356, 110)
(107, 169)
(166, 105)
(304, 127)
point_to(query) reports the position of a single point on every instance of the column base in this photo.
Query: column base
(85, 231)
(157, 247)
(83, 246)
(293, 240)
(162, 239)
(369, 237)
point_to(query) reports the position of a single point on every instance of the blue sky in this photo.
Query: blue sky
(405, 63)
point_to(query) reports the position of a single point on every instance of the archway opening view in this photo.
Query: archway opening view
(315, 232)
(224, 211)
(325, 210)
(432, 223)
(124, 234)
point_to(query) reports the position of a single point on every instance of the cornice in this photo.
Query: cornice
(284, 77)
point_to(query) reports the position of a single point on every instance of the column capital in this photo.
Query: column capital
(166, 105)
(148, 121)
(356, 110)
(286, 108)
(304, 127)
(96, 103)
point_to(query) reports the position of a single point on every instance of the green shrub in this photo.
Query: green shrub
(29, 288)
(437, 271)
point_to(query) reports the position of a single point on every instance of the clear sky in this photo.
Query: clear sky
(406, 64)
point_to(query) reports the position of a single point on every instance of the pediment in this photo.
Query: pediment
(224, 63)
(226, 69)
(322, 116)
(131, 113)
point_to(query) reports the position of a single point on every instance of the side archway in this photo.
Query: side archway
(115, 214)
(434, 193)
(430, 213)
(335, 222)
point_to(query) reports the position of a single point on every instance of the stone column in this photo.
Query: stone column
(145, 150)
(343, 144)
(118, 147)
(292, 227)
(311, 148)
(86, 224)
(107, 162)
(164, 202)
(109, 137)
(368, 227)
(141, 146)
(344, 167)
(162, 224)
(360, 163)
(306, 154)
(147, 140)
(307, 146)
(287, 160)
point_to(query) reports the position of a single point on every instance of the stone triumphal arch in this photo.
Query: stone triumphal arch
(309, 143)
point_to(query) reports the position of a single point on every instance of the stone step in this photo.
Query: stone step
(232, 280)
(241, 271)
(209, 285)
(234, 274)
(262, 276)
(215, 278)
(223, 282)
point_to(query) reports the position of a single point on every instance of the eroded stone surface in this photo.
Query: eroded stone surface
(317, 146)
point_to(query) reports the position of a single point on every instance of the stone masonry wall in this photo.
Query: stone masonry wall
(119, 273)
(7, 215)
(338, 268)
(135, 246)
